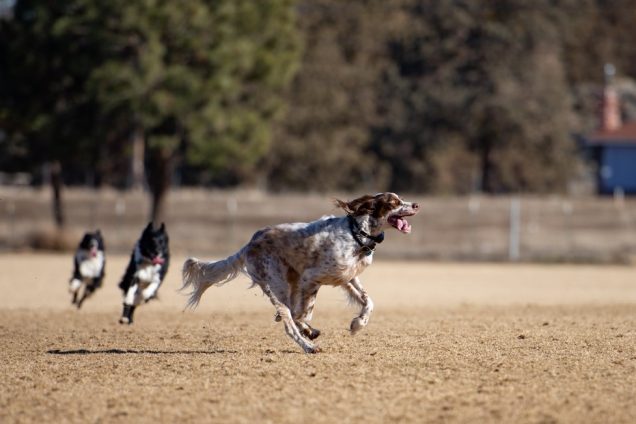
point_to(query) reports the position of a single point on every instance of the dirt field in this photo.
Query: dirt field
(447, 343)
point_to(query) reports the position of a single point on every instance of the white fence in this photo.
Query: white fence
(215, 223)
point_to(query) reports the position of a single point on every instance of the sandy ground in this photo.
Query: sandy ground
(446, 343)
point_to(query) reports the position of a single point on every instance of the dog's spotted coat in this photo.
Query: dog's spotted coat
(290, 262)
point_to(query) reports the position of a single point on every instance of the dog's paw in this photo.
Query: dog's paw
(309, 332)
(148, 298)
(313, 334)
(74, 285)
(356, 325)
(125, 320)
(313, 349)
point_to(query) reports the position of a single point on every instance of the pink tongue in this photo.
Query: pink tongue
(403, 225)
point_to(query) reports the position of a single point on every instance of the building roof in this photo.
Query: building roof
(626, 134)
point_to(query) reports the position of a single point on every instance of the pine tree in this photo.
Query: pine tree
(198, 80)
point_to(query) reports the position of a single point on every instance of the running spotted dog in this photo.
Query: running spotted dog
(88, 271)
(146, 270)
(290, 262)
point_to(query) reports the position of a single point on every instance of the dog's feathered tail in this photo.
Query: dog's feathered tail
(200, 275)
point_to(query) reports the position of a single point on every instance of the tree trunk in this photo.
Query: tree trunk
(56, 186)
(486, 167)
(159, 171)
(138, 152)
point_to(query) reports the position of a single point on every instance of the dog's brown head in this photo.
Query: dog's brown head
(382, 207)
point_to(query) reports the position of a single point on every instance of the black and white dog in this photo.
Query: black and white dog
(146, 270)
(88, 272)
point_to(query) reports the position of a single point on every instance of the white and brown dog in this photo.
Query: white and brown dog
(290, 262)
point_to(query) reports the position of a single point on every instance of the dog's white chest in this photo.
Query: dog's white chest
(148, 273)
(367, 260)
(92, 267)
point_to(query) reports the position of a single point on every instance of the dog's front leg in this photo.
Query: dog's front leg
(88, 291)
(151, 291)
(359, 295)
(74, 287)
(131, 300)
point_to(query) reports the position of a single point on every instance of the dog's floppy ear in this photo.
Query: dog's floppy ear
(360, 206)
(343, 205)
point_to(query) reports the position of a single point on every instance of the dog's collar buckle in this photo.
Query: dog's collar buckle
(356, 231)
(367, 250)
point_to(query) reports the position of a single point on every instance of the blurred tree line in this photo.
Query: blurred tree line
(429, 96)
(447, 96)
(108, 89)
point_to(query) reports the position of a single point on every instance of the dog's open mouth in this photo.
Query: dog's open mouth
(399, 222)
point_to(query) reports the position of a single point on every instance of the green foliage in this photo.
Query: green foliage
(456, 96)
(482, 79)
(254, 56)
(322, 144)
(45, 108)
(203, 74)
(410, 95)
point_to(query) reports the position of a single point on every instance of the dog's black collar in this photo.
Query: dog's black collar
(358, 232)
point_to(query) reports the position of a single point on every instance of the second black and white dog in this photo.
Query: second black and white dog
(146, 270)
(88, 270)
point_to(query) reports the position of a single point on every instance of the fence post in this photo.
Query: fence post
(474, 205)
(514, 238)
(93, 209)
(13, 243)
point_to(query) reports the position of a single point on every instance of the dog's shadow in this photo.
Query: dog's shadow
(136, 352)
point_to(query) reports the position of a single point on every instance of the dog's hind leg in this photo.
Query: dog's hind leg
(283, 312)
(359, 295)
(304, 308)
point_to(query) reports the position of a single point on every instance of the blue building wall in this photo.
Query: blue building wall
(617, 169)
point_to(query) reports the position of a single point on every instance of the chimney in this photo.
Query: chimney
(610, 104)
